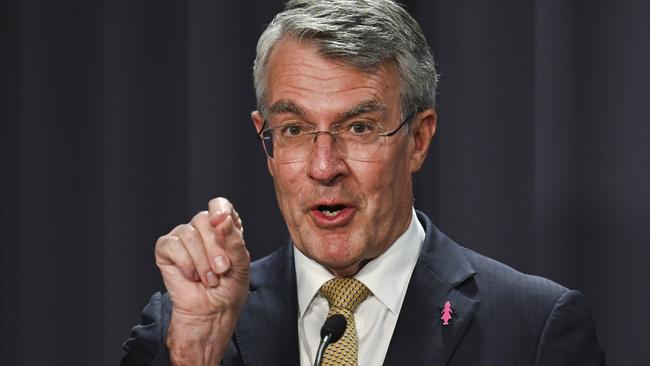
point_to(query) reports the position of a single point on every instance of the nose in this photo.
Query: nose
(326, 165)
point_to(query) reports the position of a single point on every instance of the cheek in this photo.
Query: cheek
(383, 177)
(389, 183)
(400, 166)
(374, 182)
(288, 187)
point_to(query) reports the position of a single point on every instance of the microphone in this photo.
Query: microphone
(331, 331)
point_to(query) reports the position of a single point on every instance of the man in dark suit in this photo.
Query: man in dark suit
(346, 96)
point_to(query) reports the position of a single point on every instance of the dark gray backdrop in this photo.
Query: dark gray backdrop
(121, 118)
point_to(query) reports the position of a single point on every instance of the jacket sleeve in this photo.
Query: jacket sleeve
(569, 336)
(146, 346)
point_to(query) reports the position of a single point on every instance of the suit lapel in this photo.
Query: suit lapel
(266, 332)
(419, 337)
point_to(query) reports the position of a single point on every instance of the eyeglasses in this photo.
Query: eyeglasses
(355, 140)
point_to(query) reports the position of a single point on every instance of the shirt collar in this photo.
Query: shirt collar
(387, 276)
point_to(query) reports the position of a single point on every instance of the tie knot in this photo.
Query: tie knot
(346, 293)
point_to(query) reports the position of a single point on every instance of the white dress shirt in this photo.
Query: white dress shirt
(387, 277)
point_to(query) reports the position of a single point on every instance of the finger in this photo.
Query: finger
(176, 230)
(216, 254)
(170, 251)
(232, 240)
(195, 275)
(218, 209)
(194, 245)
(237, 220)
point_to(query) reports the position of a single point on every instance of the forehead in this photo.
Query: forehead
(302, 81)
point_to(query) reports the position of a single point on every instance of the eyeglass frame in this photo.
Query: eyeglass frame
(333, 134)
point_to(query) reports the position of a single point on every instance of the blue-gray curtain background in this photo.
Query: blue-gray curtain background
(120, 119)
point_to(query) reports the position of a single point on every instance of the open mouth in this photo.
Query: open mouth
(333, 215)
(330, 210)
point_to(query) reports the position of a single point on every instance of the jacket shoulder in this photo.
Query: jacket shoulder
(545, 322)
(503, 280)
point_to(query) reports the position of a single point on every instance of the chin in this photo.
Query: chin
(333, 250)
(347, 268)
(338, 259)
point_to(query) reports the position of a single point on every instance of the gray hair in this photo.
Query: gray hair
(360, 33)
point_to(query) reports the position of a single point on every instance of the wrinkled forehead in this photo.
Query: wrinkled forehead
(301, 80)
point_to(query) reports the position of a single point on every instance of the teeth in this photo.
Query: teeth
(330, 213)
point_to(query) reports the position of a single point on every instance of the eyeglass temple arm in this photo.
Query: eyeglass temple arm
(261, 131)
(408, 118)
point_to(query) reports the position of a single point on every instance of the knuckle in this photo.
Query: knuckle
(187, 234)
(200, 217)
(164, 241)
(239, 233)
(241, 244)
(237, 243)
(177, 228)
(245, 256)
(174, 251)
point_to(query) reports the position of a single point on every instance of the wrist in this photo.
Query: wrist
(198, 339)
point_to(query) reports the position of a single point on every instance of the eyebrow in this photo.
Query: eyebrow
(368, 106)
(285, 106)
(364, 107)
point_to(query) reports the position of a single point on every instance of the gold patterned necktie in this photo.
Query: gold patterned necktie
(344, 296)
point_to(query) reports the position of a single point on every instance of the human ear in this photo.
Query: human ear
(423, 127)
(258, 121)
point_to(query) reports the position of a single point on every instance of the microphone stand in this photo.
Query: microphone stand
(324, 342)
(331, 331)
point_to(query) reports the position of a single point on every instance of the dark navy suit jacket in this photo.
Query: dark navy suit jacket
(501, 317)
